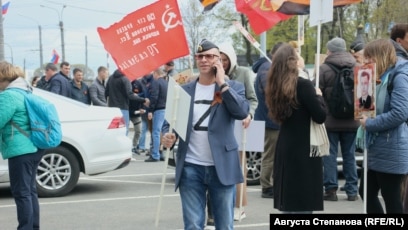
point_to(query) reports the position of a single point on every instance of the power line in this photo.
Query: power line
(88, 9)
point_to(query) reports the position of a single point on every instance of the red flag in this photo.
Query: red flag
(55, 57)
(146, 39)
(260, 14)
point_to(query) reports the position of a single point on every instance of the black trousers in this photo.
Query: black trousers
(390, 186)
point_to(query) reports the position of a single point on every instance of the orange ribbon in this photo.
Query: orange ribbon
(217, 98)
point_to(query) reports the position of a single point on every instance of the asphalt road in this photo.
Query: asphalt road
(129, 199)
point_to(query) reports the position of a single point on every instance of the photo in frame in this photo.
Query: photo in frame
(364, 90)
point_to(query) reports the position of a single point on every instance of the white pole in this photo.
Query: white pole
(243, 159)
(317, 61)
(172, 124)
(365, 174)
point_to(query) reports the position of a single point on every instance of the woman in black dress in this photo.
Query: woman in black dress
(293, 101)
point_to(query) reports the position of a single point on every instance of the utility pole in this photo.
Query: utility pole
(1, 36)
(39, 36)
(61, 26)
(86, 58)
(41, 48)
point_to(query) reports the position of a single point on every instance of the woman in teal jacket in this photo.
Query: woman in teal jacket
(23, 157)
(387, 133)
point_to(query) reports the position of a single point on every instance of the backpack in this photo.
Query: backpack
(44, 121)
(341, 100)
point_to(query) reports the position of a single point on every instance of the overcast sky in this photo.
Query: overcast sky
(80, 18)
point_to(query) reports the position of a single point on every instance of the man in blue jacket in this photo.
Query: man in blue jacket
(158, 97)
(208, 160)
(57, 83)
(271, 128)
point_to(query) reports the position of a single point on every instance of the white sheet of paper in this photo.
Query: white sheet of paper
(177, 108)
(321, 11)
(255, 134)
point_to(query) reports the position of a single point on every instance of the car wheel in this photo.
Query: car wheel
(57, 173)
(254, 161)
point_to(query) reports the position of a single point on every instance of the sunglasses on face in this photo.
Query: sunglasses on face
(206, 56)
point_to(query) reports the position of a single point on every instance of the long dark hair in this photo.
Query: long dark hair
(280, 90)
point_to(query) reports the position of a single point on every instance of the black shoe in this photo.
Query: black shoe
(151, 159)
(135, 151)
(267, 192)
(161, 158)
(330, 195)
(352, 198)
(140, 151)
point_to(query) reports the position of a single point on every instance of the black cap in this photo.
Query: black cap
(205, 45)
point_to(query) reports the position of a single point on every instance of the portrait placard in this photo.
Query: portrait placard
(364, 90)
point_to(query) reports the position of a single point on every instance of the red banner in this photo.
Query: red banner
(146, 39)
(260, 14)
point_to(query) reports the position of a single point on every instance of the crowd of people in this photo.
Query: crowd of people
(209, 176)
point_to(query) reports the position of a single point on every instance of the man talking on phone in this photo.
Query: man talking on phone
(207, 160)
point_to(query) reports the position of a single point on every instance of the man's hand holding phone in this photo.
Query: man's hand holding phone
(218, 71)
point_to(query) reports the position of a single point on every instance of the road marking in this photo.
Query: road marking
(96, 200)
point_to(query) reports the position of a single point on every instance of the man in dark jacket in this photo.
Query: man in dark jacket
(135, 112)
(158, 97)
(338, 130)
(65, 68)
(43, 83)
(118, 93)
(271, 128)
(79, 89)
(56, 82)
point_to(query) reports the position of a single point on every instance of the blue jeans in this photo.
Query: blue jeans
(145, 129)
(347, 144)
(195, 182)
(125, 114)
(158, 120)
(22, 172)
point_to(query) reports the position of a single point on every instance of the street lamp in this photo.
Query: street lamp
(40, 38)
(61, 25)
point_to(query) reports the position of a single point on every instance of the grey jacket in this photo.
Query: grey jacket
(97, 93)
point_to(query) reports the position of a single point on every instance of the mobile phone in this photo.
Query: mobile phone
(214, 69)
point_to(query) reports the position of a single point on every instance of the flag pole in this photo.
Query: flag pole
(172, 124)
(365, 173)
(251, 39)
(317, 61)
(243, 159)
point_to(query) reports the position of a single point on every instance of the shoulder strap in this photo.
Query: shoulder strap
(333, 67)
(11, 121)
(19, 128)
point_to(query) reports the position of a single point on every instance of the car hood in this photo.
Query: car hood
(72, 110)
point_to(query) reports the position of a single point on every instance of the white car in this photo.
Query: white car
(94, 141)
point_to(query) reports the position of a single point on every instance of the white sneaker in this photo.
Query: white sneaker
(237, 216)
(132, 159)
